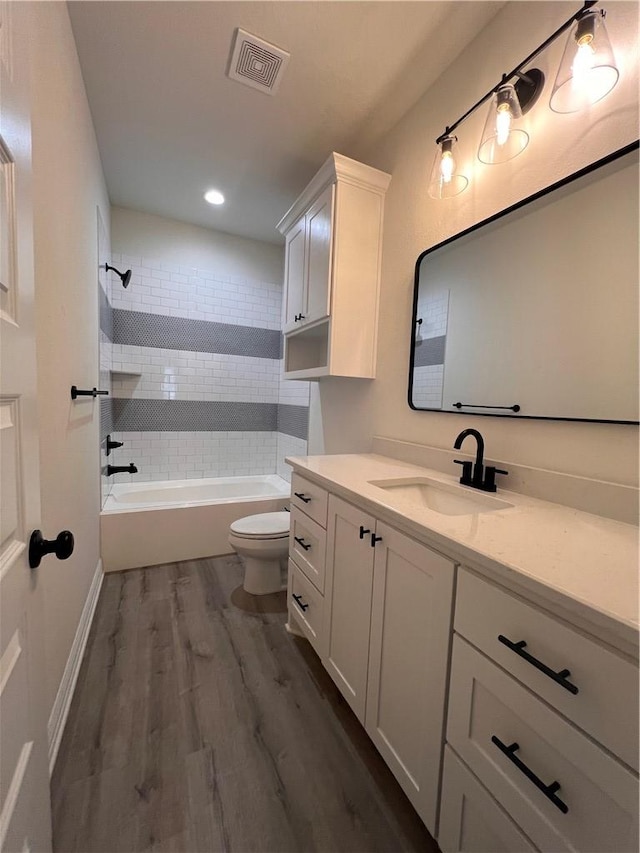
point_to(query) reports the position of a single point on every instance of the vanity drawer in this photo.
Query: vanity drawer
(606, 702)
(311, 499)
(308, 546)
(595, 805)
(470, 819)
(306, 603)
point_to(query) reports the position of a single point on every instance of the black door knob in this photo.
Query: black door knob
(61, 546)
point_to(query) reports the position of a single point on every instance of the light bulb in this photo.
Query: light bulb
(445, 182)
(214, 197)
(588, 69)
(447, 165)
(503, 123)
(503, 138)
(583, 63)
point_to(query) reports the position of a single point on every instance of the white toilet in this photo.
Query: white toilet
(263, 542)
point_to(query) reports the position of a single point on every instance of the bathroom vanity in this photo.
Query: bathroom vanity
(488, 644)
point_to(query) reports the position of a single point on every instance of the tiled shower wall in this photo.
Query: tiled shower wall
(197, 388)
(430, 341)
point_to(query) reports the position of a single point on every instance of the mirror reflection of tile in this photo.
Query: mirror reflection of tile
(431, 337)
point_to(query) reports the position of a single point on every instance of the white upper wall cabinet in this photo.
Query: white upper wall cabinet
(332, 272)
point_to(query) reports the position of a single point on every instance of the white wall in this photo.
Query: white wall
(68, 186)
(169, 241)
(347, 413)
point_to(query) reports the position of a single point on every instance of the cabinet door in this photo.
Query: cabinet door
(410, 626)
(471, 821)
(319, 241)
(294, 274)
(348, 585)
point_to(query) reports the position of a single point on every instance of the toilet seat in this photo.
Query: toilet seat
(265, 525)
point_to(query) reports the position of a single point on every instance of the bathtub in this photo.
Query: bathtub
(144, 524)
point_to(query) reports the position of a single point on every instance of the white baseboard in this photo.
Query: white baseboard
(60, 710)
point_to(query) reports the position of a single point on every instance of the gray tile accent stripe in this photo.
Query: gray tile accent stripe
(430, 351)
(105, 314)
(139, 328)
(293, 420)
(106, 417)
(193, 415)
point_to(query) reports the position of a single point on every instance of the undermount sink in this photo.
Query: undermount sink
(439, 497)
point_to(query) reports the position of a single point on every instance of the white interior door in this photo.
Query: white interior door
(25, 822)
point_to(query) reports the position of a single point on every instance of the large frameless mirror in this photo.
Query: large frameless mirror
(534, 312)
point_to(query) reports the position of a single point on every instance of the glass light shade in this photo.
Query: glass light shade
(502, 139)
(445, 181)
(588, 69)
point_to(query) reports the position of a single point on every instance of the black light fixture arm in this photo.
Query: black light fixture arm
(517, 71)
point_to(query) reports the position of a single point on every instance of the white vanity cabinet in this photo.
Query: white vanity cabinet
(532, 730)
(408, 663)
(307, 544)
(349, 588)
(387, 622)
(509, 715)
(333, 241)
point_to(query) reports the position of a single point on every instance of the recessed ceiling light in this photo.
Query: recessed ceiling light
(214, 197)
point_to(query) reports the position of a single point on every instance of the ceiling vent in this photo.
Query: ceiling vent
(257, 63)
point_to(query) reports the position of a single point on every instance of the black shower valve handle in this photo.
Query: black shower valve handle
(111, 445)
(92, 392)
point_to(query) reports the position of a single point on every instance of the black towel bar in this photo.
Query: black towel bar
(514, 408)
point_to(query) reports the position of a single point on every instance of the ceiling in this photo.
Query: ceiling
(170, 124)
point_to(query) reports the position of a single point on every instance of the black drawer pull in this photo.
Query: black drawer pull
(363, 530)
(548, 790)
(375, 539)
(300, 542)
(298, 601)
(559, 677)
(302, 497)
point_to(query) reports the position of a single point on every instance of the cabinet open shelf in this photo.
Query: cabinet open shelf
(306, 353)
(125, 371)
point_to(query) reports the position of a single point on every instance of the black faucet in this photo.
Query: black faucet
(475, 475)
(121, 469)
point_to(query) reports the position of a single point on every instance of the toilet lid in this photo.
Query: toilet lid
(266, 524)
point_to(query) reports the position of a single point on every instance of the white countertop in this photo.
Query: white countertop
(582, 566)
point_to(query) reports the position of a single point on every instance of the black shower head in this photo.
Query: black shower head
(125, 276)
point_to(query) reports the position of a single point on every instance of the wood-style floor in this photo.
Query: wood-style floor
(198, 724)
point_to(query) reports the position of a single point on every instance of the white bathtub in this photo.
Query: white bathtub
(127, 496)
(144, 524)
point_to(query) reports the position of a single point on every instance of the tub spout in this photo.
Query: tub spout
(121, 469)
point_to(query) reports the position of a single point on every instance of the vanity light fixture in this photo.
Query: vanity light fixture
(445, 181)
(503, 138)
(587, 73)
(214, 197)
(588, 68)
